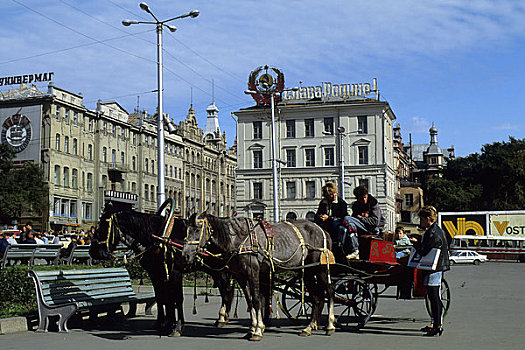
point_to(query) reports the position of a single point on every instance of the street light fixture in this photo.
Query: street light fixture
(276, 209)
(161, 195)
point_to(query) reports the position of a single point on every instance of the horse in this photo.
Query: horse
(253, 250)
(159, 258)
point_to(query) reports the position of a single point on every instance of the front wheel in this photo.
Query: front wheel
(355, 302)
(292, 299)
(477, 262)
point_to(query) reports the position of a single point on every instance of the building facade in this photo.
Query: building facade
(314, 135)
(90, 157)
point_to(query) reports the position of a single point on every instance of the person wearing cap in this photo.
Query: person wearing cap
(433, 238)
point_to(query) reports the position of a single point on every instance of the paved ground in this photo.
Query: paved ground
(487, 312)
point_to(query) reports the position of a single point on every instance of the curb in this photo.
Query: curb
(13, 325)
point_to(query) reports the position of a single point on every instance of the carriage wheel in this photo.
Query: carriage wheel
(291, 300)
(445, 298)
(356, 302)
(375, 295)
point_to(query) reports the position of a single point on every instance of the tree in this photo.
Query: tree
(492, 180)
(22, 190)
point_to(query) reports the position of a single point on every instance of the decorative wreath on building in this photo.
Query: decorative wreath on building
(265, 81)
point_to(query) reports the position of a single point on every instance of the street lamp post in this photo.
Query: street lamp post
(341, 131)
(276, 209)
(161, 195)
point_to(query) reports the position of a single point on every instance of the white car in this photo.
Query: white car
(467, 257)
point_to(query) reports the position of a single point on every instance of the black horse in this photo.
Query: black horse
(252, 250)
(160, 259)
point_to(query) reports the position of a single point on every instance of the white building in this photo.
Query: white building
(309, 153)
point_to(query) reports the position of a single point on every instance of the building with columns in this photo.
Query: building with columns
(314, 135)
(92, 156)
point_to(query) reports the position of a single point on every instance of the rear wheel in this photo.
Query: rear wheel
(291, 300)
(477, 262)
(445, 298)
(452, 262)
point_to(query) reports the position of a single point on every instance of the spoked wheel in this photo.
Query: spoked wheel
(375, 294)
(356, 302)
(291, 300)
(445, 298)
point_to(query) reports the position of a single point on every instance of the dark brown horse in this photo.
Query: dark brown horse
(161, 260)
(252, 254)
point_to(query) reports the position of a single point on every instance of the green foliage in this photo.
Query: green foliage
(492, 180)
(18, 292)
(21, 189)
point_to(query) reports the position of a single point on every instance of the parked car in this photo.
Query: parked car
(466, 257)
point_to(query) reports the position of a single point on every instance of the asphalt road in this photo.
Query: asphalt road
(487, 312)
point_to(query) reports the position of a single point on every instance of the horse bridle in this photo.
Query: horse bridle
(205, 230)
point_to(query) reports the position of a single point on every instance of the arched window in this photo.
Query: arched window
(291, 216)
(310, 216)
(57, 142)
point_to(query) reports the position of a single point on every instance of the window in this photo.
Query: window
(310, 189)
(309, 154)
(290, 158)
(362, 125)
(309, 128)
(134, 187)
(64, 207)
(363, 154)
(257, 159)
(152, 166)
(105, 127)
(364, 182)
(122, 132)
(87, 211)
(146, 192)
(329, 126)
(66, 177)
(74, 178)
(290, 190)
(75, 118)
(409, 199)
(329, 156)
(146, 140)
(152, 193)
(104, 154)
(291, 216)
(114, 130)
(66, 116)
(146, 165)
(57, 142)
(134, 138)
(171, 171)
(122, 157)
(75, 146)
(105, 182)
(66, 144)
(90, 126)
(257, 130)
(290, 128)
(58, 113)
(257, 190)
(90, 152)
(89, 186)
(73, 209)
(133, 163)
(57, 175)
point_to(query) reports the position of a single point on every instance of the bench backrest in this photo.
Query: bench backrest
(47, 251)
(58, 287)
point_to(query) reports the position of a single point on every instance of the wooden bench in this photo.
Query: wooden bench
(78, 254)
(27, 253)
(63, 293)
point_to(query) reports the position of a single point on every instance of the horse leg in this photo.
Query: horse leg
(256, 311)
(323, 276)
(178, 305)
(311, 286)
(266, 293)
(226, 290)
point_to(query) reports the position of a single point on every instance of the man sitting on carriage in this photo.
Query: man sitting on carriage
(332, 215)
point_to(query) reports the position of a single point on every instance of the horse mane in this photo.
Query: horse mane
(227, 229)
(140, 226)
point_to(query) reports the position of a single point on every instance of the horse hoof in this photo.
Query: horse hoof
(305, 334)
(220, 324)
(330, 331)
(174, 334)
(255, 338)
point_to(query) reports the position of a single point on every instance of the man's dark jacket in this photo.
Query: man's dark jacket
(335, 211)
(375, 218)
(434, 238)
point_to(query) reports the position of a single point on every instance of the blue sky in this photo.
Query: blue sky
(456, 63)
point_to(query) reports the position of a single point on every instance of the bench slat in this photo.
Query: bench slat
(84, 288)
